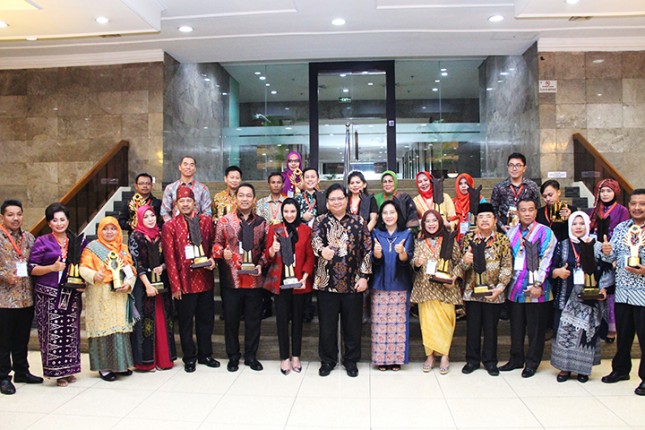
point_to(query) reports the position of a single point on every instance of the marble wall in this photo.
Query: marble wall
(195, 110)
(600, 95)
(509, 112)
(56, 123)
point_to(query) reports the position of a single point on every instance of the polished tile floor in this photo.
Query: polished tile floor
(217, 399)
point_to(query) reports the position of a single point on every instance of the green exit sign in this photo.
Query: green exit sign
(344, 99)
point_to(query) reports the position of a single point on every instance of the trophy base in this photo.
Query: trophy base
(290, 283)
(634, 262)
(248, 269)
(198, 263)
(482, 291)
(159, 286)
(590, 294)
(441, 277)
(74, 283)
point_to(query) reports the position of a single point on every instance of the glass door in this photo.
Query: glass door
(352, 118)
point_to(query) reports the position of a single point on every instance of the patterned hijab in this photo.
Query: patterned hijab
(152, 233)
(599, 209)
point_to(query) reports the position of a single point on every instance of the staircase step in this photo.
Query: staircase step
(571, 192)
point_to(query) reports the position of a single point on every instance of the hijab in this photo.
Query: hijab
(381, 197)
(426, 234)
(462, 200)
(599, 209)
(286, 175)
(152, 233)
(115, 245)
(585, 218)
(425, 194)
(292, 227)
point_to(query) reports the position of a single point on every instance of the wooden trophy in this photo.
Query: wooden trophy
(590, 290)
(289, 263)
(199, 258)
(442, 274)
(74, 280)
(478, 249)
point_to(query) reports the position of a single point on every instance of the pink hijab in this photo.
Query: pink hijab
(152, 233)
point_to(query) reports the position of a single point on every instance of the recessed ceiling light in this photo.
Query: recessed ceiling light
(503, 73)
(267, 84)
(342, 75)
(599, 94)
(288, 128)
(224, 94)
(3, 24)
(286, 108)
(496, 18)
(571, 1)
(500, 81)
(437, 80)
(257, 73)
(274, 92)
(207, 79)
(434, 90)
(31, 38)
(262, 78)
(489, 89)
(185, 29)
(338, 21)
(370, 83)
(102, 20)
(443, 69)
(345, 90)
(444, 73)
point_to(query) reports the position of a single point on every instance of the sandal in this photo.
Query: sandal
(71, 379)
(382, 368)
(61, 382)
(296, 369)
(444, 368)
(395, 367)
(427, 367)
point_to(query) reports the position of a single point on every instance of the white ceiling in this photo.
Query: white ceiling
(294, 30)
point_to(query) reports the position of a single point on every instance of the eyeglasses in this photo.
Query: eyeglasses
(294, 161)
(515, 166)
(144, 183)
(336, 199)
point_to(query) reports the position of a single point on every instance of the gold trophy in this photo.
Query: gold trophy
(289, 262)
(115, 265)
(74, 280)
(554, 211)
(297, 180)
(246, 250)
(590, 290)
(199, 258)
(442, 274)
(154, 260)
(512, 216)
(479, 267)
(135, 203)
(634, 239)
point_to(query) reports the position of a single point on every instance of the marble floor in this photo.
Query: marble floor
(217, 399)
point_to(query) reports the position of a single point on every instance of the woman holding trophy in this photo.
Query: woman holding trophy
(578, 301)
(153, 342)
(292, 175)
(436, 253)
(53, 263)
(290, 278)
(107, 267)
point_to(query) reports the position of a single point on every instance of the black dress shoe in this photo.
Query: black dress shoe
(640, 390)
(325, 369)
(254, 364)
(528, 372)
(189, 366)
(28, 378)
(109, 377)
(583, 378)
(492, 370)
(351, 369)
(614, 377)
(469, 368)
(508, 367)
(6, 387)
(126, 373)
(563, 376)
(209, 361)
(233, 365)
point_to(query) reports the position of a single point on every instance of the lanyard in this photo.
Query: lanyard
(575, 253)
(63, 248)
(433, 249)
(522, 239)
(311, 205)
(489, 240)
(606, 214)
(516, 195)
(13, 242)
(274, 214)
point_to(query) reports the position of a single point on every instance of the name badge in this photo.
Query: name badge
(189, 251)
(431, 267)
(519, 261)
(512, 209)
(127, 271)
(21, 269)
(241, 249)
(463, 227)
(578, 276)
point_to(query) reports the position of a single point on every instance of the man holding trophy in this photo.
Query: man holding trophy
(239, 247)
(530, 296)
(186, 240)
(626, 250)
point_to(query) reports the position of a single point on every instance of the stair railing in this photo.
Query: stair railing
(91, 192)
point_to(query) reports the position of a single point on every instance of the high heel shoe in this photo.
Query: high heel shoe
(286, 371)
(296, 369)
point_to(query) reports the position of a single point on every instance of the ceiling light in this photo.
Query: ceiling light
(437, 81)
(258, 73)
(286, 108)
(3, 24)
(500, 81)
(496, 18)
(434, 90)
(370, 83)
(338, 21)
(102, 20)
(185, 29)
(444, 73)
(224, 94)
(345, 90)
(443, 69)
(489, 89)
(31, 38)
(342, 75)
(288, 128)
(503, 73)
(599, 94)
(262, 78)
(571, 1)
(267, 84)
(207, 79)
(274, 92)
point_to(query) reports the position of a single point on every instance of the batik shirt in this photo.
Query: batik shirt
(18, 295)
(202, 199)
(352, 243)
(270, 209)
(506, 195)
(630, 287)
(223, 204)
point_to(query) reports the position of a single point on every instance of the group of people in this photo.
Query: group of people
(504, 256)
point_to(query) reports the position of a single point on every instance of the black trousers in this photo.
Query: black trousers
(350, 308)
(630, 321)
(234, 301)
(289, 306)
(531, 319)
(199, 307)
(15, 325)
(482, 317)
